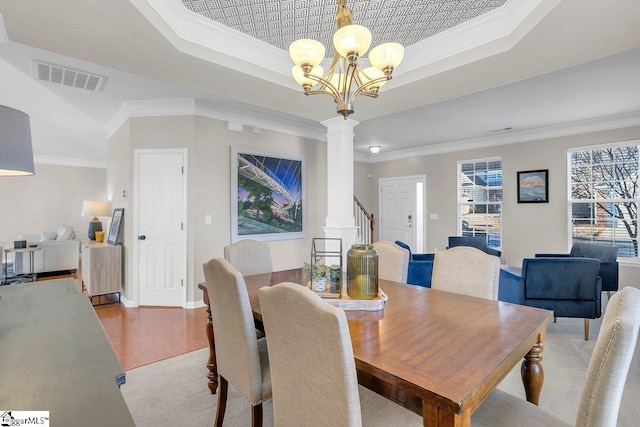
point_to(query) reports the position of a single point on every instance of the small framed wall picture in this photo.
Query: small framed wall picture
(116, 223)
(533, 186)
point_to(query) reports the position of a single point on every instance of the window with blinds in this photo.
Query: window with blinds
(604, 197)
(480, 200)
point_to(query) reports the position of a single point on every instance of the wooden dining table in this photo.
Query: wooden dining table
(437, 353)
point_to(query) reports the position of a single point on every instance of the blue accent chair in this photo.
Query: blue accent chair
(570, 286)
(420, 267)
(607, 255)
(478, 242)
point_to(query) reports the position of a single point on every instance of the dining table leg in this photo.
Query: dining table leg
(532, 373)
(212, 375)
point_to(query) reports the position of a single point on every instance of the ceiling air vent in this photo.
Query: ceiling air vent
(67, 76)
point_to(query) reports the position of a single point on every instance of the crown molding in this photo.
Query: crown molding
(148, 108)
(567, 129)
(219, 110)
(63, 161)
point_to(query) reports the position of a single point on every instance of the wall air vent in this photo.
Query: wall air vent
(67, 76)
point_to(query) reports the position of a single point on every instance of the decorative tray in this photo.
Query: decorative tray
(344, 302)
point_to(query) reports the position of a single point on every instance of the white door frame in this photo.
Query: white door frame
(136, 191)
(416, 179)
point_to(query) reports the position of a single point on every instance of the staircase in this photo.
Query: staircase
(365, 222)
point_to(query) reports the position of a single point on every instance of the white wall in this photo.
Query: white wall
(527, 228)
(51, 197)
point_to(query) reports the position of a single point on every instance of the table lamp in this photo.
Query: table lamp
(94, 209)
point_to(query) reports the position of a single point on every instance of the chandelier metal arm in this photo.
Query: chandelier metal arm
(364, 89)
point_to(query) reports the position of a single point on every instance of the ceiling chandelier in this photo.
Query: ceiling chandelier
(345, 79)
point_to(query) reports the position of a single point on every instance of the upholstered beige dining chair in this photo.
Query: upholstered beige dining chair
(241, 357)
(393, 261)
(466, 270)
(604, 382)
(249, 257)
(313, 367)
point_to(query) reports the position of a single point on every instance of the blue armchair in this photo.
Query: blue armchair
(607, 255)
(569, 286)
(420, 267)
(478, 242)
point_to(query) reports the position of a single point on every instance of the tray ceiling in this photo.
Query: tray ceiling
(279, 23)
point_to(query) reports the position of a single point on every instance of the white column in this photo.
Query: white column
(340, 222)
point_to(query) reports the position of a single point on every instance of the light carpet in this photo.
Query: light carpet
(175, 390)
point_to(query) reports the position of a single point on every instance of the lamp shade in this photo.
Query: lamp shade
(306, 52)
(386, 55)
(92, 208)
(352, 39)
(16, 153)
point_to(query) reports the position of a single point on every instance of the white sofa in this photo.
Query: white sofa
(60, 252)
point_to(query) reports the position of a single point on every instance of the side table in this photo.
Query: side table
(31, 251)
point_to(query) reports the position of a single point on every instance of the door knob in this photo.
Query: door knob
(142, 237)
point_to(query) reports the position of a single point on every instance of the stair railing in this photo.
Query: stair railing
(365, 222)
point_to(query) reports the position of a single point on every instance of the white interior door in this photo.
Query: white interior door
(160, 201)
(401, 216)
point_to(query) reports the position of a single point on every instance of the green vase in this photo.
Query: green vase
(362, 272)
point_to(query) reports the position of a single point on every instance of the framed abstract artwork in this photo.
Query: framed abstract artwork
(267, 195)
(533, 186)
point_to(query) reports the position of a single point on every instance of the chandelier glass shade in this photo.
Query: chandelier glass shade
(345, 79)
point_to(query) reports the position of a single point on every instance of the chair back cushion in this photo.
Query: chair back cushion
(466, 270)
(249, 257)
(610, 361)
(312, 365)
(601, 252)
(393, 261)
(560, 278)
(236, 343)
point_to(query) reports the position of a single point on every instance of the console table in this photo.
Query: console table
(101, 268)
(57, 358)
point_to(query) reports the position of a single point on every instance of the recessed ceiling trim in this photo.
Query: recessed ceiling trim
(478, 38)
(196, 35)
(486, 35)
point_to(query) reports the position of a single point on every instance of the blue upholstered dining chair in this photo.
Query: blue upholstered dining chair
(569, 286)
(478, 242)
(607, 255)
(604, 382)
(420, 267)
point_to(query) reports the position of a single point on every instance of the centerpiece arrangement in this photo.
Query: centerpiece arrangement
(319, 275)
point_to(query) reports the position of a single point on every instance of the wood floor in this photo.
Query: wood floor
(145, 335)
